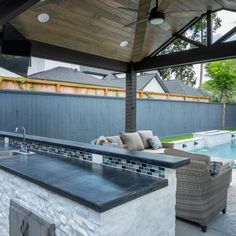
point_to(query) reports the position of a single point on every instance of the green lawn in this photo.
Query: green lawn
(232, 129)
(181, 137)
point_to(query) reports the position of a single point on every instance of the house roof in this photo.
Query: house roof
(7, 73)
(95, 71)
(176, 86)
(142, 80)
(63, 74)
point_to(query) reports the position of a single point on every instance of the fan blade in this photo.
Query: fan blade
(42, 3)
(136, 22)
(227, 4)
(184, 13)
(164, 5)
(128, 9)
(45, 2)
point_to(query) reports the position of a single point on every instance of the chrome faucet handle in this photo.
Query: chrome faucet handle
(24, 148)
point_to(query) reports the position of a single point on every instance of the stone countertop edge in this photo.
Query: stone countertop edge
(96, 206)
(167, 161)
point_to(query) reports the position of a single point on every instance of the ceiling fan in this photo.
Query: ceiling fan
(158, 17)
(44, 2)
(228, 4)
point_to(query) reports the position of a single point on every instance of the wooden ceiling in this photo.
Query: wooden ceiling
(97, 26)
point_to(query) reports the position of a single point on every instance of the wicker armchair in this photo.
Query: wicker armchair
(200, 196)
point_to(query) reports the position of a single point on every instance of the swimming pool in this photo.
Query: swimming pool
(223, 152)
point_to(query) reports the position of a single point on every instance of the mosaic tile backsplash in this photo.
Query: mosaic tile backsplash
(53, 149)
(135, 166)
(130, 165)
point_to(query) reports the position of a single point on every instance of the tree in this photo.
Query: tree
(182, 73)
(197, 32)
(222, 85)
(223, 82)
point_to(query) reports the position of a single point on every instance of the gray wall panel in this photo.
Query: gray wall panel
(83, 118)
(230, 116)
(167, 118)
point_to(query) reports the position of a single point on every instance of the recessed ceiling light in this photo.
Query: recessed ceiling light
(124, 44)
(43, 17)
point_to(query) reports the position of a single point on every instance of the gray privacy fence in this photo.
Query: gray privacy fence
(83, 118)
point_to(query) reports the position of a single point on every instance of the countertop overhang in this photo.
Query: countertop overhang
(167, 161)
(95, 186)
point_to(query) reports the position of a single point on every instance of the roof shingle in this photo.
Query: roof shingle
(63, 74)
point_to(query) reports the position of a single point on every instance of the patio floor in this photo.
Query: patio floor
(222, 225)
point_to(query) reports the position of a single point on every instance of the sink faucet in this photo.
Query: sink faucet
(23, 146)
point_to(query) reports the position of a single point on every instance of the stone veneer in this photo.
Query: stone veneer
(150, 215)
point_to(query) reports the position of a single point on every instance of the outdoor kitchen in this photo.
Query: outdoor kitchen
(56, 188)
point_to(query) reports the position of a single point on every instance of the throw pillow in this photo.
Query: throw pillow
(145, 135)
(133, 141)
(115, 139)
(101, 140)
(155, 142)
(214, 167)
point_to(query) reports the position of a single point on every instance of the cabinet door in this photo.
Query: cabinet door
(23, 222)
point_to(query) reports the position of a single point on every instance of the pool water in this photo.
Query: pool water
(223, 152)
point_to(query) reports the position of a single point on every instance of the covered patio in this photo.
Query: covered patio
(122, 36)
(114, 35)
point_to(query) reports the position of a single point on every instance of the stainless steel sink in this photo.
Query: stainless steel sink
(12, 153)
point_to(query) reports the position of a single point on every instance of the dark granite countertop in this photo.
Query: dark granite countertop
(95, 186)
(6, 147)
(145, 157)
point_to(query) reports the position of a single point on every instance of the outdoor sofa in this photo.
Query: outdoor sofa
(201, 186)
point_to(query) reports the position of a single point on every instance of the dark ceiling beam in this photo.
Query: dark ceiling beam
(188, 40)
(12, 42)
(173, 38)
(226, 36)
(47, 51)
(192, 56)
(12, 8)
(209, 28)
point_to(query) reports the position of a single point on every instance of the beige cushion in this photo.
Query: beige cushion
(101, 140)
(145, 135)
(133, 141)
(151, 150)
(115, 145)
(191, 156)
(115, 139)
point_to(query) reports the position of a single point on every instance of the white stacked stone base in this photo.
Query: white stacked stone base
(150, 215)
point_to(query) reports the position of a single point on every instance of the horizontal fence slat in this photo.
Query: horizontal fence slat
(84, 118)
